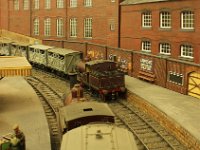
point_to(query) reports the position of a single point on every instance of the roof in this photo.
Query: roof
(77, 110)
(98, 137)
(20, 44)
(94, 62)
(63, 51)
(43, 47)
(132, 2)
(13, 62)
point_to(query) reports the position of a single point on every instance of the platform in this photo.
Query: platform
(184, 109)
(20, 104)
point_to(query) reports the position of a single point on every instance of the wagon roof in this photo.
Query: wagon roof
(132, 2)
(40, 46)
(94, 62)
(20, 43)
(79, 110)
(63, 51)
(98, 137)
(3, 40)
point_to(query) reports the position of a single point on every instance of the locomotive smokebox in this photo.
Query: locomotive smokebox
(72, 79)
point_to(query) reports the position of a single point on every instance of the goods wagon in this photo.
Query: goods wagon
(37, 54)
(5, 47)
(63, 60)
(19, 49)
(98, 137)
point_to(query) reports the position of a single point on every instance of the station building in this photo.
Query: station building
(163, 35)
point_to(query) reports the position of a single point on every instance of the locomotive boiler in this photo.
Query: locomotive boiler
(102, 77)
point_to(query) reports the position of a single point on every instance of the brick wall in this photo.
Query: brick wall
(132, 31)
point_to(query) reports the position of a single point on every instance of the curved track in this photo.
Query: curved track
(51, 101)
(148, 133)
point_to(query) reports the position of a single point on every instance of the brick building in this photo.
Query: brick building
(74, 20)
(167, 35)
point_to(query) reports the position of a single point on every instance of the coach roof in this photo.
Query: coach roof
(132, 2)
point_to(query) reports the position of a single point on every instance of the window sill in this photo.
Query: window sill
(164, 55)
(165, 29)
(146, 28)
(186, 58)
(187, 30)
(143, 51)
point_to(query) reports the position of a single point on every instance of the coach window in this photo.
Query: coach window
(187, 20)
(16, 4)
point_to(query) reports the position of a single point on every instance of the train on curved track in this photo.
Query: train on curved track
(100, 76)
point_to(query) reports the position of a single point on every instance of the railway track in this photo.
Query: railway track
(149, 134)
(51, 101)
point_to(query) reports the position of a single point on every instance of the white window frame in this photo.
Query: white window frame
(88, 28)
(47, 27)
(147, 19)
(47, 4)
(87, 3)
(165, 48)
(73, 27)
(73, 3)
(146, 46)
(26, 4)
(36, 24)
(60, 27)
(36, 4)
(16, 4)
(187, 51)
(60, 3)
(187, 20)
(165, 19)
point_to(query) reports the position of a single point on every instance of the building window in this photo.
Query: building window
(16, 4)
(146, 19)
(47, 4)
(36, 26)
(73, 3)
(112, 0)
(112, 24)
(73, 27)
(60, 3)
(165, 19)
(87, 3)
(175, 78)
(165, 48)
(88, 27)
(59, 27)
(36, 4)
(146, 46)
(47, 27)
(26, 4)
(187, 20)
(187, 51)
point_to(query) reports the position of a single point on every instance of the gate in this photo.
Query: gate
(194, 84)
